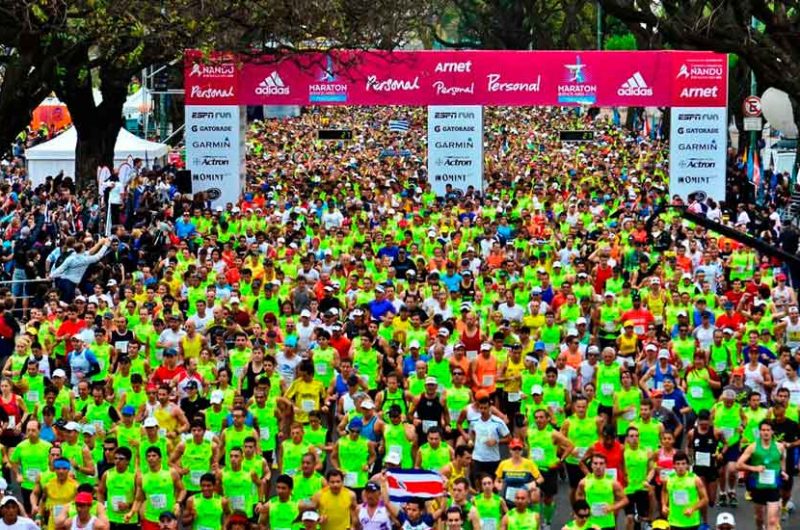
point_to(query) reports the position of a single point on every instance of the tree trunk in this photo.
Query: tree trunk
(97, 125)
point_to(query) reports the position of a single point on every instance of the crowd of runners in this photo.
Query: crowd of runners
(263, 364)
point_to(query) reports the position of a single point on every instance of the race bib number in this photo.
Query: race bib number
(32, 396)
(263, 433)
(554, 406)
(158, 501)
(702, 459)
(767, 477)
(57, 510)
(680, 497)
(639, 330)
(307, 405)
(514, 397)
(488, 524)
(696, 392)
(665, 474)
(322, 368)
(428, 425)
(350, 479)
(511, 492)
(121, 346)
(537, 454)
(727, 432)
(668, 404)
(720, 366)
(237, 502)
(599, 509)
(117, 501)
(194, 477)
(32, 474)
(607, 389)
(611, 473)
(630, 415)
(581, 451)
(487, 380)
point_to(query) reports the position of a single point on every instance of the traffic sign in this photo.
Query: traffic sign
(752, 106)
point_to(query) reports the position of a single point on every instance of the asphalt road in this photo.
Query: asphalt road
(743, 513)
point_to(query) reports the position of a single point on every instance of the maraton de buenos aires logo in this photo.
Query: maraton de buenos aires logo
(635, 86)
(328, 88)
(272, 85)
(576, 87)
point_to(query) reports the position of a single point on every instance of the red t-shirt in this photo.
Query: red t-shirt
(164, 374)
(341, 345)
(614, 458)
(734, 321)
(641, 318)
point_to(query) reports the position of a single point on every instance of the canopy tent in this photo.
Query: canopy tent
(139, 101)
(59, 154)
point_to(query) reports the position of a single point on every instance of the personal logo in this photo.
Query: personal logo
(635, 86)
(576, 87)
(272, 85)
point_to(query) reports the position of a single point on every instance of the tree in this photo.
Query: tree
(27, 64)
(514, 25)
(76, 45)
(770, 47)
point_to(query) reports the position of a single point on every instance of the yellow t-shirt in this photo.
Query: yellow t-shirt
(524, 466)
(335, 509)
(306, 397)
(58, 497)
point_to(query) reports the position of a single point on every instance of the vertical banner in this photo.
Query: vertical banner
(697, 156)
(455, 148)
(215, 151)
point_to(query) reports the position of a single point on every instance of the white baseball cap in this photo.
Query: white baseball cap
(58, 372)
(726, 518)
(150, 422)
(216, 397)
(305, 313)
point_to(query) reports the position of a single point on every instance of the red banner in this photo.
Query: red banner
(506, 78)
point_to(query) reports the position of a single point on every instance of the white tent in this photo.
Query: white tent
(59, 154)
(141, 99)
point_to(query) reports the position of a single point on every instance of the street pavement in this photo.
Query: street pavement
(743, 514)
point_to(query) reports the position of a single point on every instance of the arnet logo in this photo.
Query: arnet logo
(635, 86)
(272, 85)
(698, 92)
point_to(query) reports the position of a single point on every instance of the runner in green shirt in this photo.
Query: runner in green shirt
(683, 495)
(604, 494)
(640, 469)
(282, 510)
(117, 489)
(206, 510)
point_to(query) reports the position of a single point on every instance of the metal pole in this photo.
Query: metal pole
(146, 117)
(753, 137)
(599, 25)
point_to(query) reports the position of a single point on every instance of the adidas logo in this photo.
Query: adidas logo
(272, 85)
(635, 86)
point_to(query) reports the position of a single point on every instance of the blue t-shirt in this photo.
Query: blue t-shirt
(379, 308)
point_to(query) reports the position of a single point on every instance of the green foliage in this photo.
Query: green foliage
(621, 42)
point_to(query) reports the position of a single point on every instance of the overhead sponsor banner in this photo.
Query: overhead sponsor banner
(455, 147)
(697, 154)
(470, 77)
(210, 79)
(215, 151)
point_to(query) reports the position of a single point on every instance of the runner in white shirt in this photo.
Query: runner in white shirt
(372, 513)
(487, 432)
(13, 515)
